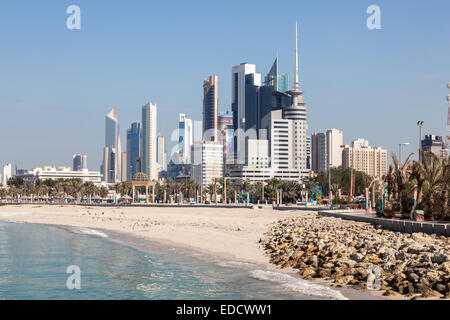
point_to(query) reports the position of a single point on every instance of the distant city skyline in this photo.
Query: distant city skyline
(370, 84)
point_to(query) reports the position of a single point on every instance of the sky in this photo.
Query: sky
(57, 85)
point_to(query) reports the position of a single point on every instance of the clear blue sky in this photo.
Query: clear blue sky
(58, 84)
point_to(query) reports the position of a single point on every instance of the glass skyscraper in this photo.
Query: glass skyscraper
(134, 137)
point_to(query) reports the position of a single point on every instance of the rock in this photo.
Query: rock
(389, 293)
(440, 258)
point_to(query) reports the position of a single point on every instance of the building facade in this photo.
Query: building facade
(185, 139)
(112, 151)
(372, 161)
(134, 154)
(149, 122)
(210, 109)
(55, 173)
(161, 151)
(79, 162)
(435, 145)
(207, 162)
(7, 174)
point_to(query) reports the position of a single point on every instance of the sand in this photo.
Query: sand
(228, 233)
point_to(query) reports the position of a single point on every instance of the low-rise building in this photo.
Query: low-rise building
(55, 173)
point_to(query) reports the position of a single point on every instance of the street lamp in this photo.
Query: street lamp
(400, 149)
(420, 125)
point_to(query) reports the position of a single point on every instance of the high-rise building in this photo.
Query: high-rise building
(335, 141)
(134, 142)
(161, 153)
(225, 123)
(79, 162)
(326, 149)
(124, 167)
(185, 139)
(372, 161)
(434, 144)
(244, 107)
(7, 174)
(297, 113)
(279, 82)
(112, 151)
(210, 108)
(207, 162)
(308, 153)
(149, 165)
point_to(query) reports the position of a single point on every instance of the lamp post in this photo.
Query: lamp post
(420, 125)
(400, 145)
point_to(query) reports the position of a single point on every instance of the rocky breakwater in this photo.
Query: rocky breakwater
(362, 256)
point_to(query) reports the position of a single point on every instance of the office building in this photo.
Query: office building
(326, 150)
(435, 145)
(112, 151)
(148, 163)
(79, 162)
(161, 153)
(134, 143)
(210, 109)
(308, 153)
(360, 143)
(207, 162)
(372, 161)
(185, 139)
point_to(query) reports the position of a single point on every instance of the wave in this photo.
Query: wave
(12, 214)
(235, 264)
(91, 232)
(298, 285)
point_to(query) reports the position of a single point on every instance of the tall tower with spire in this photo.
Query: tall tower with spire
(297, 112)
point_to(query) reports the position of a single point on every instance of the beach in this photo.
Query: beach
(231, 234)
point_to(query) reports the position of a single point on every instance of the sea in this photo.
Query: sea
(42, 262)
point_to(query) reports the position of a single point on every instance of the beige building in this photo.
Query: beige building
(372, 161)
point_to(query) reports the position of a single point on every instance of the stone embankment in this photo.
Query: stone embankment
(362, 256)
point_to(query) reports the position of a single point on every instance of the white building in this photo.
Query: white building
(111, 166)
(55, 173)
(207, 162)
(7, 174)
(297, 112)
(149, 164)
(185, 139)
(326, 149)
(335, 141)
(161, 153)
(360, 143)
(124, 169)
(372, 161)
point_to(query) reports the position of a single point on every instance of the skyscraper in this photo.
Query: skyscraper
(79, 162)
(161, 152)
(297, 113)
(149, 140)
(134, 141)
(210, 108)
(7, 173)
(112, 151)
(226, 130)
(185, 139)
(244, 104)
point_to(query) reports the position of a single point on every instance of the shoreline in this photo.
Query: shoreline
(249, 255)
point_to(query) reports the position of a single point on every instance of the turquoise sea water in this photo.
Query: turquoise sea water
(34, 260)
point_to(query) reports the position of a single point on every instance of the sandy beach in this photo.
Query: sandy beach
(232, 234)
